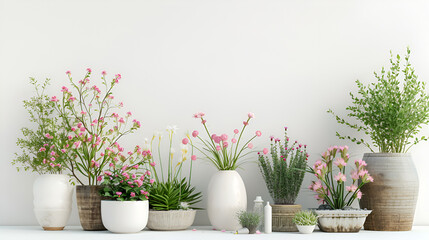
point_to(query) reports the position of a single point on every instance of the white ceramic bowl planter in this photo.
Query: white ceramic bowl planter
(124, 216)
(226, 197)
(342, 220)
(306, 229)
(52, 200)
(172, 220)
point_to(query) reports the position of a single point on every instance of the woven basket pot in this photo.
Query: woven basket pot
(393, 195)
(282, 217)
(89, 206)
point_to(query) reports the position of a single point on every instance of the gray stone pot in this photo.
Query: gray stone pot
(393, 194)
(341, 220)
(172, 220)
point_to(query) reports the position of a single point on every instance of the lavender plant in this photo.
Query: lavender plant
(285, 172)
(392, 115)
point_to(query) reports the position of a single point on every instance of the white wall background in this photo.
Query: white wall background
(287, 61)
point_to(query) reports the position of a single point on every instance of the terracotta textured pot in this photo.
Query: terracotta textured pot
(341, 220)
(172, 220)
(282, 217)
(226, 196)
(393, 194)
(89, 206)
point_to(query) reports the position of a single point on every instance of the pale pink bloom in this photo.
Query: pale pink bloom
(195, 133)
(224, 137)
(139, 182)
(340, 177)
(51, 164)
(89, 70)
(359, 194)
(48, 136)
(58, 165)
(193, 157)
(317, 185)
(52, 153)
(121, 104)
(258, 232)
(103, 73)
(265, 151)
(119, 193)
(83, 112)
(129, 114)
(117, 77)
(64, 89)
(225, 144)
(351, 188)
(111, 96)
(121, 120)
(360, 163)
(233, 140)
(111, 164)
(251, 115)
(77, 144)
(340, 163)
(44, 161)
(236, 131)
(70, 137)
(152, 181)
(79, 125)
(250, 145)
(217, 139)
(133, 176)
(362, 173)
(68, 73)
(203, 121)
(108, 173)
(185, 141)
(355, 175)
(82, 129)
(245, 123)
(148, 173)
(42, 149)
(218, 148)
(100, 178)
(63, 150)
(132, 194)
(153, 164)
(258, 133)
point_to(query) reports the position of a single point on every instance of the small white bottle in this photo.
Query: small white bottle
(258, 208)
(268, 218)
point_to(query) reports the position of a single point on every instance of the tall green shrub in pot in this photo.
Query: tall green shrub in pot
(391, 111)
(283, 175)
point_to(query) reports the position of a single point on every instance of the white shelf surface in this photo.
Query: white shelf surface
(200, 233)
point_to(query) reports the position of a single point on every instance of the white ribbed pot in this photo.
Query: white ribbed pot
(172, 220)
(52, 200)
(226, 196)
(305, 229)
(341, 220)
(124, 216)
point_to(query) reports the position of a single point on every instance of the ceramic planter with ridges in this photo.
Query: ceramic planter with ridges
(124, 216)
(52, 200)
(89, 206)
(282, 217)
(172, 220)
(226, 196)
(341, 220)
(393, 194)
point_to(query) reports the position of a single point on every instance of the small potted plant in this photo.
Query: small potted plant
(172, 196)
(283, 175)
(249, 220)
(391, 111)
(125, 189)
(336, 215)
(305, 221)
(226, 193)
(42, 152)
(89, 116)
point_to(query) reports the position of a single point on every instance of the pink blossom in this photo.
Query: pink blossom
(354, 175)
(117, 77)
(44, 161)
(245, 123)
(251, 115)
(100, 178)
(64, 89)
(193, 157)
(340, 163)
(79, 125)
(217, 139)
(108, 173)
(351, 188)
(51, 164)
(153, 164)
(359, 194)
(83, 112)
(68, 73)
(121, 120)
(250, 145)
(121, 104)
(70, 137)
(58, 165)
(185, 141)
(258, 133)
(265, 151)
(89, 70)
(225, 144)
(236, 131)
(132, 194)
(218, 148)
(340, 177)
(82, 129)
(48, 136)
(52, 153)
(42, 149)
(199, 115)
(103, 73)
(119, 194)
(129, 114)
(233, 140)
(224, 137)
(54, 99)
(77, 144)
(195, 133)
(63, 150)
(152, 181)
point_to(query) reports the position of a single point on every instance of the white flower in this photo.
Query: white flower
(172, 129)
(146, 145)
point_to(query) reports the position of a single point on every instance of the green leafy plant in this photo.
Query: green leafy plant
(285, 173)
(171, 191)
(305, 218)
(392, 115)
(173, 195)
(249, 220)
(41, 149)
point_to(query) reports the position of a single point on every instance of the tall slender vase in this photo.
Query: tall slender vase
(89, 206)
(52, 200)
(226, 197)
(393, 195)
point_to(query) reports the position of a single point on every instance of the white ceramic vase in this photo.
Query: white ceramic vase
(306, 229)
(124, 216)
(52, 200)
(226, 197)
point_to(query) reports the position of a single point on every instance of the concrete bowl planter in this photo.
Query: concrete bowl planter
(305, 229)
(342, 220)
(172, 220)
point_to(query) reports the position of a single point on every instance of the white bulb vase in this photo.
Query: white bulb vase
(226, 197)
(124, 216)
(52, 200)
